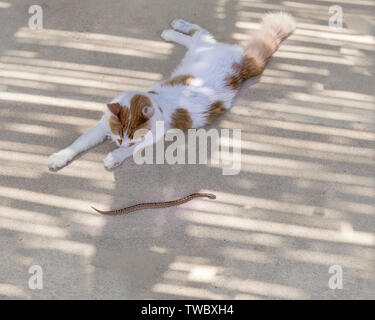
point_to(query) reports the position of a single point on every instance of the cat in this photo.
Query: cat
(201, 89)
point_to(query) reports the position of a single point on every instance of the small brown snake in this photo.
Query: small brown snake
(156, 205)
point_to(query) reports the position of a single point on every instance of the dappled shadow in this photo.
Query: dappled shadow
(303, 201)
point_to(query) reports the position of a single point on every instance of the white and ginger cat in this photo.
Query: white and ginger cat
(201, 89)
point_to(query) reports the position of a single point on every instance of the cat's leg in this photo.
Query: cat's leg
(186, 27)
(92, 137)
(178, 37)
(196, 32)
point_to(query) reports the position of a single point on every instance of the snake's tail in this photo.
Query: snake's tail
(98, 211)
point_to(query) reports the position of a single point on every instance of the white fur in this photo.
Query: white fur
(208, 61)
(280, 22)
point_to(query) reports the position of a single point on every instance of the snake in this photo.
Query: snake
(156, 205)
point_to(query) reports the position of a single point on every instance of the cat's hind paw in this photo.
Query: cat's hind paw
(168, 35)
(60, 159)
(181, 25)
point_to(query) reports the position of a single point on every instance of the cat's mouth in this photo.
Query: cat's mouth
(120, 142)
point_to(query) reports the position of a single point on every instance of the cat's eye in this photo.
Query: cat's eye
(148, 111)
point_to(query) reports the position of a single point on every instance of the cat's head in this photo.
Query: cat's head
(130, 117)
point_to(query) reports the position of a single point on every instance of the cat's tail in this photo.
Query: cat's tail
(275, 27)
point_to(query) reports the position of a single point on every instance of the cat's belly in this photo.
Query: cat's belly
(212, 63)
(199, 101)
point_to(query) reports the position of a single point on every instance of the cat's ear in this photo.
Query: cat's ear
(148, 111)
(115, 108)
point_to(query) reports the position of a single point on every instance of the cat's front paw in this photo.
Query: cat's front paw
(110, 161)
(168, 35)
(60, 159)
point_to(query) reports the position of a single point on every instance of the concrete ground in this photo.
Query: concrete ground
(303, 201)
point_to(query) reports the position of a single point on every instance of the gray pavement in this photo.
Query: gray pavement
(302, 203)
